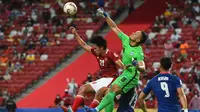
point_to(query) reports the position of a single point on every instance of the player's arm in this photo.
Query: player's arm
(182, 98)
(181, 94)
(110, 22)
(120, 64)
(142, 102)
(80, 41)
(112, 25)
(143, 95)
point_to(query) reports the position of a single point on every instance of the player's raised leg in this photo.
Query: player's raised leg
(98, 97)
(113, 91)
(79, 99)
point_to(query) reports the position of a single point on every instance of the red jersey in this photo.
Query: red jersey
(107, 63)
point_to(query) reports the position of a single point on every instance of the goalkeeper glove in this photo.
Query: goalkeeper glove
(101, 12)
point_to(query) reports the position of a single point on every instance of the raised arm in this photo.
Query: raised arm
(112, 25)
(110, 22)
(80, 41)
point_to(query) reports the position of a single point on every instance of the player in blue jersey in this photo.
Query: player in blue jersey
(166, 88)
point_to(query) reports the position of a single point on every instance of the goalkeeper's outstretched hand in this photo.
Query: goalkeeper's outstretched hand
(102, 13)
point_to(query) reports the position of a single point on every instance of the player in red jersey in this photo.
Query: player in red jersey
(108, 62)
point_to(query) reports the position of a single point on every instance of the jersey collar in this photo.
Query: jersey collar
(165, 73)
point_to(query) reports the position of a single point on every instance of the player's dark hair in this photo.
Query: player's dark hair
(99, 41)
(165, 63)
(144, 37)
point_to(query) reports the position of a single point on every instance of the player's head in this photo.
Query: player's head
(100, 44)
(165, 63)
(139, 37)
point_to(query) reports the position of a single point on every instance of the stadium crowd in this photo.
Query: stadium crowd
(34, 39)
(173, 34)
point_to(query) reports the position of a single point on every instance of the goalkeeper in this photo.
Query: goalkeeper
(132, 55)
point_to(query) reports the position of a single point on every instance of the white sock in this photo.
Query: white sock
(97, 109)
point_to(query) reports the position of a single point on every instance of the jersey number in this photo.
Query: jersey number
(101, 62)
(164, 87)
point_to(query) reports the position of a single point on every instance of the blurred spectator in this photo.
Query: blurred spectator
(56, 41)
(44, 56)
(185, 89)
(31, 45)
(67, 98)
(23, 41)
(198, 75)
(7, 77)
(198, 42)
(44, 40)
(185, 69)
(194, 24)
(194, 103)
(18, 67)
(1, 102)
(168, 49)
(10, 68)
(1, 35)
(173, 23)
(163, 20)
(89, 78)
(30, 58)
(196, 9)
(72, 86)
(156, 66)
(3, 60)
(175, 36)
(5, 94)
(186, 20)
(167, 13)
(11, 106)
(46, 15)
(63, 34)
(190, 79)
(57, 100)
(183, 49)
(13, 33)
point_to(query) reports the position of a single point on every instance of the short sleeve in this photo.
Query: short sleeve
(178, 83)
(114, 56)
(141, 56)
(148, 88)
(123, 37)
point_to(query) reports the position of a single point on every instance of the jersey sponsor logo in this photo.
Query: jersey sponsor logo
(131, 53)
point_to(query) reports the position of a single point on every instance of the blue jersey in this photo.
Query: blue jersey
(164, 86)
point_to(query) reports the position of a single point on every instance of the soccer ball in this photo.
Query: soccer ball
(70, 8)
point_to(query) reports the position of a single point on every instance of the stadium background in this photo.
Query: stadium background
(141, 18)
